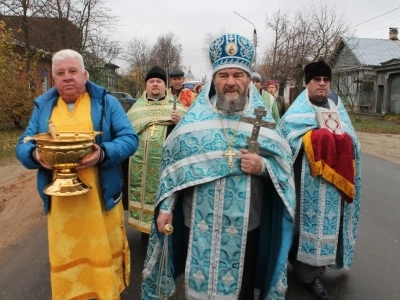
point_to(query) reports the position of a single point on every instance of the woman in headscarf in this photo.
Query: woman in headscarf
(272, 88)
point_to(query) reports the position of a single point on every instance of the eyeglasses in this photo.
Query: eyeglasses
(319, 79)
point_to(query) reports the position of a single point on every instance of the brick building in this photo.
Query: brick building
(45, 35)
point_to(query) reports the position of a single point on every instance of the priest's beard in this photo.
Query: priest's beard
(231, 104)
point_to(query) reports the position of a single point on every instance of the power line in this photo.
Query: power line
(375, 17)
(381, 27)
(390, 21)
(377, 22)
(380, 4)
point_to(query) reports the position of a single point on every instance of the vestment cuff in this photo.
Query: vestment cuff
(168, 204)
(264, 170)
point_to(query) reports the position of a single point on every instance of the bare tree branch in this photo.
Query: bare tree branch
(167, 52)
(300, 38)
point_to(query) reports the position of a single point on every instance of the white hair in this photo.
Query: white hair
(65, 54)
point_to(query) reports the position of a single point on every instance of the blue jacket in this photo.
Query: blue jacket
(119, 140)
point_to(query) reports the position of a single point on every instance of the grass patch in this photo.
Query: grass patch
(377, 124)
(9, 137)
(392, 118)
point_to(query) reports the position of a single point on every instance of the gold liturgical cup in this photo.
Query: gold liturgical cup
(63, 153)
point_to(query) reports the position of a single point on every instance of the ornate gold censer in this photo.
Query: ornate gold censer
(64, 151)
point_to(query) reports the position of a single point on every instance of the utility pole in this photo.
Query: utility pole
(254, 41)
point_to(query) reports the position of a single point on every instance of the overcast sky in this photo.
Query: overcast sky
(190, 21)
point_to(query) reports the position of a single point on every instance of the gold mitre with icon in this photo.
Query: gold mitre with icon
(64, 151)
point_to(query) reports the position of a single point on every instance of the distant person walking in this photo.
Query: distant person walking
(269, 100)
(273, 88)
(184, 95)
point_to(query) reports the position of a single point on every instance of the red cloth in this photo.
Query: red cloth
(332, 156)
(186, 97)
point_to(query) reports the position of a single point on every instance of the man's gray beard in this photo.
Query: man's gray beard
(231, 106)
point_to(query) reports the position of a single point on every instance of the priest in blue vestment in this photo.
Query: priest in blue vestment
(327, 166)
(232, 208)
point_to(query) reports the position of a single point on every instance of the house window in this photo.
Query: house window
(45, 80)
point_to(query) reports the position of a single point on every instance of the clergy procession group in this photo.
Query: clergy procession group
(248, 185)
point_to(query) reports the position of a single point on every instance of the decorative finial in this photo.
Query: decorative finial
(52, 130)
(168, 229)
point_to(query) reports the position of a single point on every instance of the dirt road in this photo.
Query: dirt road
(20, 205)
(385, 146)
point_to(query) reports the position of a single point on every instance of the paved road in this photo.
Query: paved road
(375, 273)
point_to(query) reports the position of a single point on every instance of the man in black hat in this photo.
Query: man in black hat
(154, 115)
(327, 177)
(184, 95)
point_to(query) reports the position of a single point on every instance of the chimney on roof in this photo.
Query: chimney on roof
(393, 33)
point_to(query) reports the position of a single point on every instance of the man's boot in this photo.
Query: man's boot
(317, 289)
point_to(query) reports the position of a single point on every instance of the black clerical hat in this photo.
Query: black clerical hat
(315, 69)
(156, 72)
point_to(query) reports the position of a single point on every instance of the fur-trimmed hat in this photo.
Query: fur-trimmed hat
(176, 73)
(315, 69)
(156, 72)
(231, 50)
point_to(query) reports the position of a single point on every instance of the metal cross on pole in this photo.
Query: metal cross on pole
(175, 101)
(259, 112)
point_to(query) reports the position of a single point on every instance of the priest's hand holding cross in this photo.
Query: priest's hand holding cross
(258, 122)
(175, 115)
(251, 162)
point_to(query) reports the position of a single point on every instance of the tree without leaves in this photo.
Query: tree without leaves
(354, 86)
(167, 52)
(53, 25)
(93, 20)
(309, 36)
(138, 57)
(348, 91)
(208, 39)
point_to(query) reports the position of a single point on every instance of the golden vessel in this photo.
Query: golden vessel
(64, 151)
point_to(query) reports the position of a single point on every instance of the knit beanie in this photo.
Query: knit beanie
(256, 76)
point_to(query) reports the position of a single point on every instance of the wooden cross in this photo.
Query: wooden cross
(175, 101)
(230, 154)
(152, 129)
(259, 112)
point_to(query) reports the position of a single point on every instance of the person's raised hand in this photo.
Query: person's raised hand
(175, 117)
